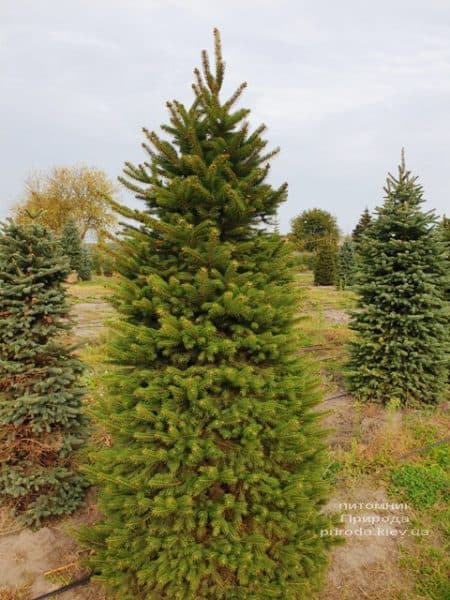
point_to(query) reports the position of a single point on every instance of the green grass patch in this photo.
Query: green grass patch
(421, 485)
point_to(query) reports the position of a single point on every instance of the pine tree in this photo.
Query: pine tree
(213, 484)
(401, 341)
(346, 266)
(72, 246)
(325, 263)
(363, 224)
(40, 393)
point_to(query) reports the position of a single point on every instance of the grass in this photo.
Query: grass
(93, 291)
(21, 593)
(319, 335)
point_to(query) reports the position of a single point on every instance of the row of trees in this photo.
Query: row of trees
(316, 237)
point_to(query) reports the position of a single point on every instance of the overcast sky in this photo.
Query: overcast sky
(342, 86)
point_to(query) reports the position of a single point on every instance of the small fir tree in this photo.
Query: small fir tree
(363, 224)
(40, 392)
(346, 267)
(213, 482)
(325, 263)
(72, 246)
(401, 325)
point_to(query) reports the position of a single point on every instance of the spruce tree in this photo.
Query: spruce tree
(346, 265)
(325, 263)
(40, 392)
(85, 270)
(444, 228)
(72, 246)
(213, 484)
(364, 222)
(401, 325)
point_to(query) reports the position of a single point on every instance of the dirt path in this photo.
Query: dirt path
(37, 562)
(336, 316)
(90, 318)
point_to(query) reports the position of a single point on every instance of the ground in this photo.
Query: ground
(368, 467)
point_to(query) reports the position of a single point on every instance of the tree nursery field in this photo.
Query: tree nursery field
(195, 406)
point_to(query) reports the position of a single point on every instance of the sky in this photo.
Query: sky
(342, 86)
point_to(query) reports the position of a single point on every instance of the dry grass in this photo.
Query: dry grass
(21, 593)
(96, 290)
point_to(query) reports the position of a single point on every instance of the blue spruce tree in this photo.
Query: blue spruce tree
(402, 321)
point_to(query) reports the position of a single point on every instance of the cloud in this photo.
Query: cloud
(341, 86)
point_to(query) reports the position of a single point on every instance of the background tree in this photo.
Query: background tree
(66, 193)
(40, 393)
(85, 272)
(75, 250)
(213, 484)
(444, 228)
(72, 245)
(325, 262)
(401, 325)
(346, 264)
(364, 222)
(312, 227)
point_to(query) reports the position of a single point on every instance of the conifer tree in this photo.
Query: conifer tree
(401, 325)
(444, 228)
(346, 267)
(85, 271)
(364, 222)
(213, 483)
(325, 263)
(72, 246)
(40, 393)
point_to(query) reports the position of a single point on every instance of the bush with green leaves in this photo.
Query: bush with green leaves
(213, 484)
(402, 322)
(41, 424)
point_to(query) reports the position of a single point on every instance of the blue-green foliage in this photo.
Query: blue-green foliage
(402, 321)
(40, 393)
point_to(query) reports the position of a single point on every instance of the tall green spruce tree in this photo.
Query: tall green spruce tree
(346, 265)
(75, 250)
(402, 322)
(213, 484)
(325, 262)
(72, 245)
(40, 393)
